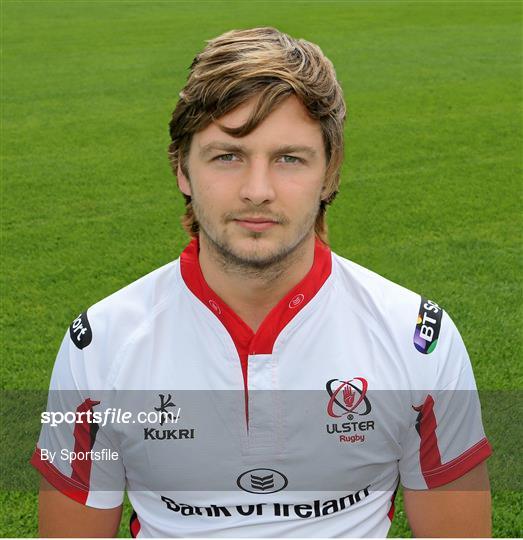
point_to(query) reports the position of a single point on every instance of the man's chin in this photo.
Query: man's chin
(257, 258)
(253, 253)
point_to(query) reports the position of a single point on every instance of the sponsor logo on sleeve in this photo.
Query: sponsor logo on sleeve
(80, 331)
(428, 324)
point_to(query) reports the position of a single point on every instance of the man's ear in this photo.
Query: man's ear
(183, 182)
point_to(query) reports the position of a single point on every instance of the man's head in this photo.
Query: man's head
(243, 88)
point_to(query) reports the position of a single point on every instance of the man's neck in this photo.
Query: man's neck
(253, 294)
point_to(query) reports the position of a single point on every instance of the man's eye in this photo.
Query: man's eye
(290, 159)
(226, 157)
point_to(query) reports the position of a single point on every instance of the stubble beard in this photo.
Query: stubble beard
(255, 264)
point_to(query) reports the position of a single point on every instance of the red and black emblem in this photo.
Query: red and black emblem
(348, 397)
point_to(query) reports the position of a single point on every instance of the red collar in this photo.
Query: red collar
(248, 342)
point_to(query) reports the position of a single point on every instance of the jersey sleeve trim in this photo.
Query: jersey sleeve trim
(64, 484)
(457, 467)
(134, 525)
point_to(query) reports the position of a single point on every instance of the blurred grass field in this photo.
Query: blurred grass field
(431, 190)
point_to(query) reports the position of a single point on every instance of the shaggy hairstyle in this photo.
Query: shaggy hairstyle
(270, 65)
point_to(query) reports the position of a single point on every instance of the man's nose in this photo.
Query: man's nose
(257, 184)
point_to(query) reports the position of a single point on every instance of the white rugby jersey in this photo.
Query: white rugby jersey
(304, 428)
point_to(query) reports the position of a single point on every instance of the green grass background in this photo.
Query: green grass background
(430, 197)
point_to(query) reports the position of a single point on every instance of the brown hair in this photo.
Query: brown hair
(271, 65)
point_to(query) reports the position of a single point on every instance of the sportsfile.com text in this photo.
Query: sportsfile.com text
(110, 415)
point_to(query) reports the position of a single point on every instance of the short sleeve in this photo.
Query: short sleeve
(76, 453)
(446, 437)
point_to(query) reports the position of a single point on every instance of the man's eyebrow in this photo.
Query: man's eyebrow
(238, 148)
(296, 149)
(219, 145)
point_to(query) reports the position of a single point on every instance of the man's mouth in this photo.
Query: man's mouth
(257, 224)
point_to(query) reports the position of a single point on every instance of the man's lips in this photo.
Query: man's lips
(256, 224)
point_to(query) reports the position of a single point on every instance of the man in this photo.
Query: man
(306, 387)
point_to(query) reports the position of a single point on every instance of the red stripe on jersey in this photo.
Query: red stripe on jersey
(460, 465)
(434, 471)
(426, 424)
(58, 480)
(134, 525)
(246, 341)
(392, 509)
(84, 437)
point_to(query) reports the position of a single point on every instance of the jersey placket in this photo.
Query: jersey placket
(255, 350)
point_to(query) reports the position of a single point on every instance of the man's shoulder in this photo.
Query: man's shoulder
(109, 324)
(370, 288)
(142, 296)
(416, 325)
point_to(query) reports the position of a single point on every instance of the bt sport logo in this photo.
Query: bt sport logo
(427, 327)
(80, 331)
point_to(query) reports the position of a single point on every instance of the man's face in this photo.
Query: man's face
(256, 198)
